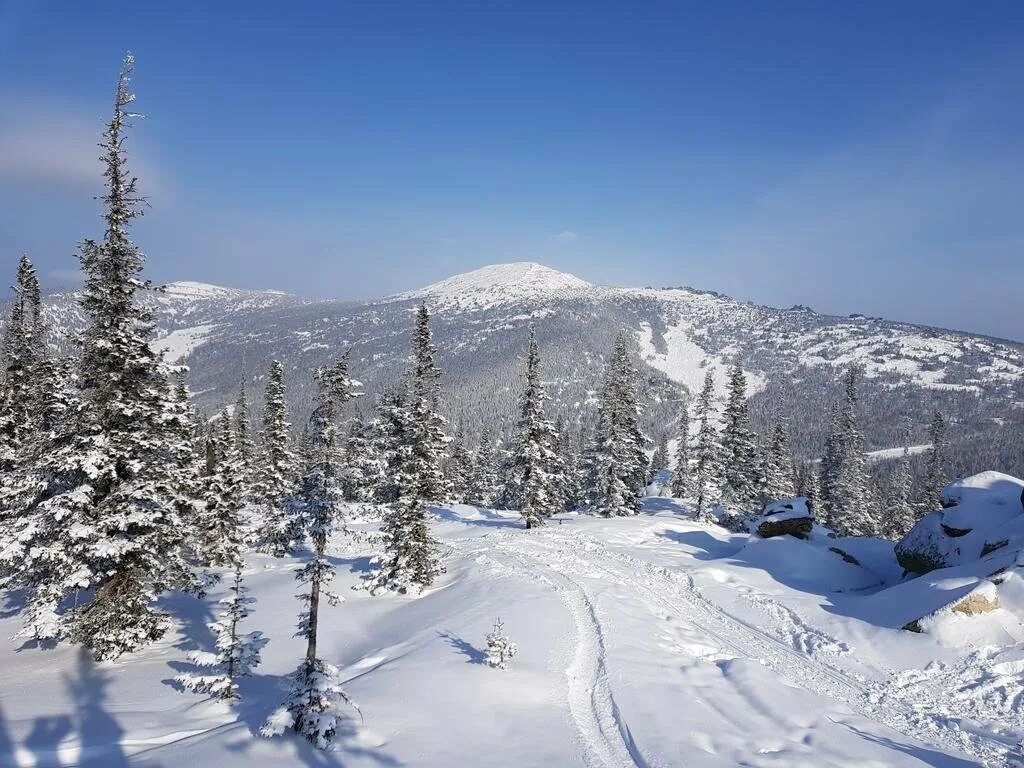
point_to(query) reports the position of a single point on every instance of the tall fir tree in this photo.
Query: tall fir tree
(483, 479)
(829, 465)
(777, 472)
(707, 453)
(457, 469)
(100, 534)
(620, 466)
(535, 461)
(276, 472)
(659, 460)
(572, 474)
(365, 465)
(313, 705)
(807, 483)
(936, 474)
(681, 476)
(740, 471)
(899, 512)
(242, 444)
(428, 437)
(23, 353)
(848, 499)
(221, 520)
(414, 439)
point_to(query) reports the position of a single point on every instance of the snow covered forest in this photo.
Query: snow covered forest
(356, 575)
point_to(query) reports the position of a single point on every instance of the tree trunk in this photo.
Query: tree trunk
(314, 608)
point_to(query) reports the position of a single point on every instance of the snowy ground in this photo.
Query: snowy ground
(648, 641)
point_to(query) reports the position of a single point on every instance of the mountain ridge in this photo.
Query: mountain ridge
(481, 319)
(470, 281)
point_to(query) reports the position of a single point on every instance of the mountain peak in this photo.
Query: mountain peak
(191, 289)
(498, 284)
(196, 290)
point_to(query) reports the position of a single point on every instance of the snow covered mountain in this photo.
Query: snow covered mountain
(500, 285)
(481, 320)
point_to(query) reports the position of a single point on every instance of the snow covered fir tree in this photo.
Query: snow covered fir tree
(738, 446)
(413, 443)
(96, 535)
(844, 484)
(276, 468)
(706, 471)
(620, 464)
(313, 707)
(237, 653)
(500, 650)
(535, 468)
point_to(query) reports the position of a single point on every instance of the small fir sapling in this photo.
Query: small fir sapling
(500, 650)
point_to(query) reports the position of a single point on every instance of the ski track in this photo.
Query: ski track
(790, 647)
(598, 722)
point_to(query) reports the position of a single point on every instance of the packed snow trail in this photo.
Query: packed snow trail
(604, 735)
(560, 555)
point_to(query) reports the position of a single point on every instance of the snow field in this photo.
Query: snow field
(647, 641)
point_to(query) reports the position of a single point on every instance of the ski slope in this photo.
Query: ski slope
(648, 641)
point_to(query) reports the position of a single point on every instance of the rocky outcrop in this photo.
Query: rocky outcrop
(980, 515)
(980, 600)
(786, 517)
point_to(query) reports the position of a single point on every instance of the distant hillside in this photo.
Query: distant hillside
(481, 319)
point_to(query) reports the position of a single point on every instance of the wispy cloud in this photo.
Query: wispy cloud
(46, 147)
(65, 277)
(565, 236)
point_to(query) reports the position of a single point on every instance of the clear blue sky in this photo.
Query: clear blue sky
(850, 156)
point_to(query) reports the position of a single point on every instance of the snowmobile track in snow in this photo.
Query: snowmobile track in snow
(562, 557)
(606, 736)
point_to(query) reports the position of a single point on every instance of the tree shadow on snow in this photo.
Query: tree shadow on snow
(660, 505)
(262, 694)
(924, 754)
(97, 733)
(473, 654)
(195, 615)
(13, 603)
(361, 564)
(707, 546)
(488, 518)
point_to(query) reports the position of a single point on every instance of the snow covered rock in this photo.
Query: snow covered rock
(977, 618)
(981, 514)
(785, 517)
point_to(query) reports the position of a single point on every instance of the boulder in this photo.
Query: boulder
(980, 515)
(785, 517)
(980, 600)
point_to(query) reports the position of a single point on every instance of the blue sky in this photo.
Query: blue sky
(856, 157)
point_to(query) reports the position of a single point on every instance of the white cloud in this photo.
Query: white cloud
(65, 277)
(52, 148)
(566, 236)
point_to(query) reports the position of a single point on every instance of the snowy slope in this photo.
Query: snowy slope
(648, 641)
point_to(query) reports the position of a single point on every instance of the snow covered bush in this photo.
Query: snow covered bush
(500, 650)
(237, 654)
(313, 706)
